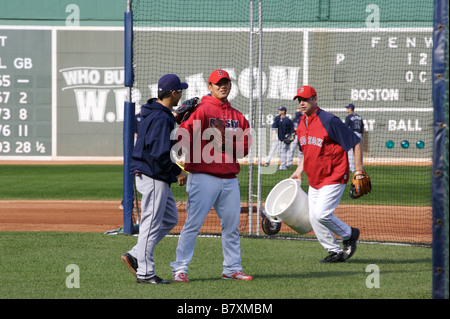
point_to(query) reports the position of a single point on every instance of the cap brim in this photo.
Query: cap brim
(184, 85)
(219, 79)
(303, 97)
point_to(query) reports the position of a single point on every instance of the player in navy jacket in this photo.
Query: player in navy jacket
(154, 172)
(324, 141)
(356, 124)
(151, 153)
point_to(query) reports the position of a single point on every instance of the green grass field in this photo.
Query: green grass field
(33, 265)
(391, 185)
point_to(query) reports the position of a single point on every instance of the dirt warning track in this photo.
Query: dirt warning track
(410, 224)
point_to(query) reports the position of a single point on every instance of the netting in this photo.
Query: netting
(375, 56)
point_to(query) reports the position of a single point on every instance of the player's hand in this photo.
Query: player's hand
(182, 178)
(297, 175)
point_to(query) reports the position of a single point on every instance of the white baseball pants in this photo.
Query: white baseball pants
(322, 204)
(207, 191)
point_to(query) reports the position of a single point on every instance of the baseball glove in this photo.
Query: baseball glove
(361, 184)
(185, 110)
(289, 138)
(218, 139)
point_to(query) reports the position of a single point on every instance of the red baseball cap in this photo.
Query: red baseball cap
(305, 92)
(218, 75)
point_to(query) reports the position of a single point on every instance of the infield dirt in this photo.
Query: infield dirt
(102, 216)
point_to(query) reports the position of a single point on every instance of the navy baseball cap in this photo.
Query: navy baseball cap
(171, 82)
(350, 106)
(282, 109)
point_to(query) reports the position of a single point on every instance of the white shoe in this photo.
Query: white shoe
(238, 275)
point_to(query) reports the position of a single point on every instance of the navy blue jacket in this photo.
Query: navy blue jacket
(285, 126)
(355, 122)
(151, 154)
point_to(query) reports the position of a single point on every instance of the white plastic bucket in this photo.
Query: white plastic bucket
(287, 202)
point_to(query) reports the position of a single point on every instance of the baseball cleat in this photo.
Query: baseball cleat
(238, 275)
(333, 257)
(130, 262)
(350, 244)
(180, 277)
(155, 280)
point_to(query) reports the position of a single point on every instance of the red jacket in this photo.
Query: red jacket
(324, 141)
(200, 154)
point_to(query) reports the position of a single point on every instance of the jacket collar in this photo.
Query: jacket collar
(216, 102)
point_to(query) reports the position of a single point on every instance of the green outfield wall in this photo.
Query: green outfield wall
(62, 68)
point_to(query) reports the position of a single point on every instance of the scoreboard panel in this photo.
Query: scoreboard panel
(25, 93)
(386, 74)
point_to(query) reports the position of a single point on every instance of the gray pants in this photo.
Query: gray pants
(283, 151)
(292, 148)
(159, 216)
(351, 155)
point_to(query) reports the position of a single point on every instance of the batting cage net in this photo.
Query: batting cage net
(374, 56)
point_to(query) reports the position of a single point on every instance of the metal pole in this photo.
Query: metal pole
(260, 93)
(250, 153)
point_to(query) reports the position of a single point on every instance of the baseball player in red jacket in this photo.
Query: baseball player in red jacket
(324, 141)
(212, 179)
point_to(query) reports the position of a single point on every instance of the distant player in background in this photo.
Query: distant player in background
(294, 145)
(213, 183)
(325, 141)
(356, 124)
(154, 172)
(283, 133)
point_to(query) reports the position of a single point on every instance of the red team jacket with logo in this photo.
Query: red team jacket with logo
(201, 156)
(324, 141)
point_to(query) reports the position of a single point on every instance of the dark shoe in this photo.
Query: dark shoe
(130, 262)
(333, 257)
(155, 280)
(350, 244)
